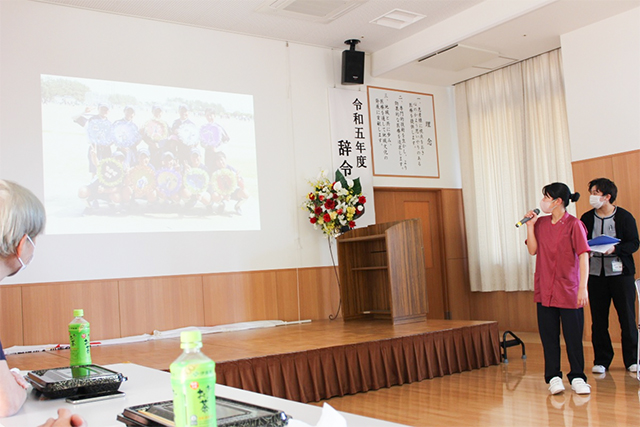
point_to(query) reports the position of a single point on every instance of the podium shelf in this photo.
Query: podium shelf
(377, 267)
(382, 272)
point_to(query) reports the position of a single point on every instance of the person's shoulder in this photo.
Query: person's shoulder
(587, 214)
(571, 219)
(543, 220)
(623, 212)
(576, 223)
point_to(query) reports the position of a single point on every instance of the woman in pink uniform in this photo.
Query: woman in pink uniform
(562, 269)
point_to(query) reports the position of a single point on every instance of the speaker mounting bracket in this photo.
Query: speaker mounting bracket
(352, 43)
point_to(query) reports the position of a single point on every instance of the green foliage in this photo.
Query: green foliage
(52, 88)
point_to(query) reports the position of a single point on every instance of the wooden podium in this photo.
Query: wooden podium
(382, 272)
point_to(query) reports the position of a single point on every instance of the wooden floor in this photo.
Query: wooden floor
(512, 394)
(500, 395)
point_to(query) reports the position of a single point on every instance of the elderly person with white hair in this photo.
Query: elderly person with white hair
(22, 219)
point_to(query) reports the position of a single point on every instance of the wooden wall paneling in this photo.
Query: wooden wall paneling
(458, 288)
(48, 308)
(522, 311)
(455, 237)
(287, 295)
(319, 293)
(160, 303)
(456, 259)
(486, 306)
(11, 315)
(514, 311)
(627, 178)
(240, 297)
(386, 206)
(626, 168)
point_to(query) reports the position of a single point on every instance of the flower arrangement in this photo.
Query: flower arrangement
(334, 206)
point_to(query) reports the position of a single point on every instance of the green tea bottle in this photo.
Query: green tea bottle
(193, 379)
(79, 340)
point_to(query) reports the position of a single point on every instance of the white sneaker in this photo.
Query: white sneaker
(555, 385)
(598, 369)
(633, 368)
(579, 386)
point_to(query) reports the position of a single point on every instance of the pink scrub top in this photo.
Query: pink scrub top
(557, 276)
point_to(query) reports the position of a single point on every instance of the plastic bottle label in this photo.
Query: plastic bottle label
(194, 394)
(80, 344)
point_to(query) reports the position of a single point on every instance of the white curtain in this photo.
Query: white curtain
(514, 139)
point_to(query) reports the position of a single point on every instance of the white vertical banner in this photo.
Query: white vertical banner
(351, 143)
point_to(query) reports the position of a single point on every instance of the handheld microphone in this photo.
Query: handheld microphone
(526, 218)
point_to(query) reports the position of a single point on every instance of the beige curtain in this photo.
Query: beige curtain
(514, 139)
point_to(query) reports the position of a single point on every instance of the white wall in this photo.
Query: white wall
(288, 82)
(602, 83)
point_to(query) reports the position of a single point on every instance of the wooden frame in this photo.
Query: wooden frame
(409, 137)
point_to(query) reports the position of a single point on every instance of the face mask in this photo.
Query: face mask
(596, 201)
(23, 264)
(545, 206)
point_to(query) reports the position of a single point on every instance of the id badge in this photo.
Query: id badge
(616, 265)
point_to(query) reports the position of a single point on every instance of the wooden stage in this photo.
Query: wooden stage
(309, 362)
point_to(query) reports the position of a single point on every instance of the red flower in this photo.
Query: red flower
(321, 197)
(326, 217)
(317, 210)
(339, 212)
(352, 224)
(313, 220)
(335, 195)
(311, 196)
(362, 200)
(329, 204)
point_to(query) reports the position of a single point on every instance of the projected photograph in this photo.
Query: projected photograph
(125, 157)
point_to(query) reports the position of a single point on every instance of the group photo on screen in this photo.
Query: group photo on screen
(123, 157)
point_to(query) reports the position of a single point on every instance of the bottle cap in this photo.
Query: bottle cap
(78, 312)
(190, 336)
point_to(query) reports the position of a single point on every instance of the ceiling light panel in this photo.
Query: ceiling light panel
(314, 10)
(397, 19)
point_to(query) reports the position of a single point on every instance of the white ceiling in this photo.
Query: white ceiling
(493, 32)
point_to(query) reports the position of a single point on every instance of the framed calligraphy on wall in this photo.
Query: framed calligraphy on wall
(403, 133)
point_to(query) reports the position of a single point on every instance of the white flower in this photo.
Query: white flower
(360, 208)
(337, 186)
(311, 215)
(349, 182)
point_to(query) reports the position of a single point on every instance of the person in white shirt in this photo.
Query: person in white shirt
(22, 219)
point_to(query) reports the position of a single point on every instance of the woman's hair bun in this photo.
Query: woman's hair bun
(575, 197)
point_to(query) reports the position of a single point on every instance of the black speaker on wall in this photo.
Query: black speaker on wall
(352, 64)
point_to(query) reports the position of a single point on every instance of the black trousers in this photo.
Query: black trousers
(622, 290)
(549, 320)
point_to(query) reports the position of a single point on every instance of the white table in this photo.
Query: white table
(145, 385)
